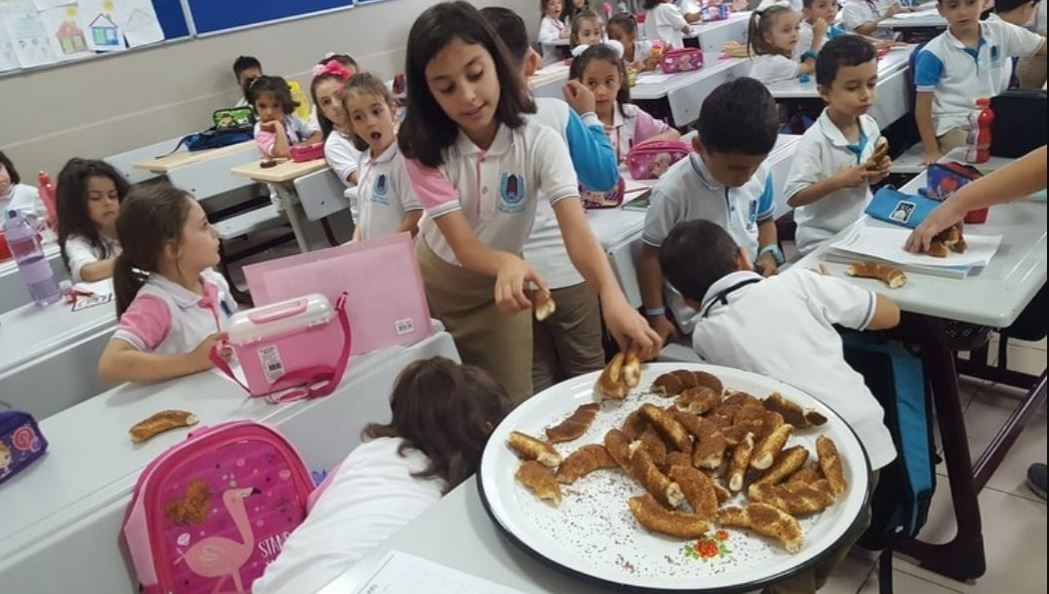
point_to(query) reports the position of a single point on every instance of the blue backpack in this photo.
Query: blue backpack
(231, 126)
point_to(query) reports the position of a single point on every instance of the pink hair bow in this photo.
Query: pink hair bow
(332, 67)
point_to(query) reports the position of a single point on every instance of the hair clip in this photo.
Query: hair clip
(332, 67)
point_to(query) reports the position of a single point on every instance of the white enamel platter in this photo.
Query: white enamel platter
(592, 534)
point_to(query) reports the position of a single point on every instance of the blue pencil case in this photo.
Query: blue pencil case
(21, 442)
(893, 206)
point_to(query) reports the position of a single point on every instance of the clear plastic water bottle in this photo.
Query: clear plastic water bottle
(32, 265)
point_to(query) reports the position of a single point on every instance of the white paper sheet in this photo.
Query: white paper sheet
(652, 79)
(924, 14)
(43, 5)
(66, 32)
(139, 21)
(25, 30)
(8, 59)
(886, 243)
(102, 28)
(401, 573)
(102, 287)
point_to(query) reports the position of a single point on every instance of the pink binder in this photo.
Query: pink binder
(385, 298)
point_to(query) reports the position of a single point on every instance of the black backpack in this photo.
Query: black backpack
(1019, 124)
(229, 126)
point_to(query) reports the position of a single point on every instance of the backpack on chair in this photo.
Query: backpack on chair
(900, 502)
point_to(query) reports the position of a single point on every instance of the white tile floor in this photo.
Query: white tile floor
(1014, 519)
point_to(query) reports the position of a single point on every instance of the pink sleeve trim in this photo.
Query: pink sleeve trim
(146, 323)
(431, 187)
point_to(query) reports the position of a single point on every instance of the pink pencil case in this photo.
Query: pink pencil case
(650, 159)
(681, 60)
(307, 152)
(610, 199)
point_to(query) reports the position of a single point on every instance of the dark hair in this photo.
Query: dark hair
(446, 411)
(695, 255)
(152, 215)
(245, 63)
(577, 21)
(601, 51)
(739, 116)
(364, 82)
(10, 167)
(570, 11)
(625, 21)
(760, 23)
(344, 61)
(427, 130)
(542, 8)
(71, 202)
(272, 85)
(1001, 6)
(844, 50)
(510, 27)
(650, 4)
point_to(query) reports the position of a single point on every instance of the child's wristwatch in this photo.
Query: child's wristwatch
(777, 254)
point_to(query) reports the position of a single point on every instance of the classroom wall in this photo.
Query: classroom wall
(106, 106)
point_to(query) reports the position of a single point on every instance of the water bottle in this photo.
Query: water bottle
(978, 148)
(32, 265)
(46, 191)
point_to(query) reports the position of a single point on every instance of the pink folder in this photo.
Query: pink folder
(385, 302)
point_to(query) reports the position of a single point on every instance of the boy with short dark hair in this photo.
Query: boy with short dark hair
(726, 181)
(782, 327)
(968, 61)
(831, 174)
(245, 70)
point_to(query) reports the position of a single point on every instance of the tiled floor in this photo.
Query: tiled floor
(1014, 519)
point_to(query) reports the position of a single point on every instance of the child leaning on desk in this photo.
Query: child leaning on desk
(278, 128)
(738, 313)
(172, 306)
(772, 36)
(87, 199)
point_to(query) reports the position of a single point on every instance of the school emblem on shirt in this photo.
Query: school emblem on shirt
(511, 193)
(380, 189)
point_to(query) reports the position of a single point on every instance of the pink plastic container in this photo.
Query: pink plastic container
(681, 60)
(650, 159)
(308, 152)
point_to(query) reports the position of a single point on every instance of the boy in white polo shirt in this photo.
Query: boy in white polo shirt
(726, 181)
(782, 327)
(830, 176)
(968, 61)
(1029, 14)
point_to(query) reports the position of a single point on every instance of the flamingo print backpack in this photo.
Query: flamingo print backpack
(208, 514)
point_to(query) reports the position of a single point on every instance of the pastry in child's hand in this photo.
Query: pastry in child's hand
(618, 447)
(575, 425)
(765, 452)
(890, 275)
(583, 461)
(881, 150)
(621, 374)
(530, 448)
(737, 468)
(653, 516)
(698, 400)
(698, 489)
(543, 304)
(632, 367)
(946, 241)
(766, 520)
(797, 499)
(668, 384)
(539, 480)
(793, 413)
(160, 422)
(787, 463)
(668, 426)
(652, 479)
(830, 464)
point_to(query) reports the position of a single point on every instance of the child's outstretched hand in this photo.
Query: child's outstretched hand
(628, 327)
(201, 355)
(579, 96)
(511, 283)
(931, 154)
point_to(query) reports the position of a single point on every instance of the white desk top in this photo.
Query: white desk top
(895, 62)
(993, 296)
(183, 158)
(656, 85)
(92, 465)
(914, 20)
(12, 292)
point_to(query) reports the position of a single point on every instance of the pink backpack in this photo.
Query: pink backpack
(208, 514)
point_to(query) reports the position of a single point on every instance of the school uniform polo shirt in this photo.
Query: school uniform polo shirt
(631, 125)
(821, 153)
(80, 252)
(805, 37)
(857, 12)
(342, 156)
(384, 194)
(783, 327)
(958, 75)
(166, 318)
(665, 23)
(495, 189)
(770, 68)
(686, 192)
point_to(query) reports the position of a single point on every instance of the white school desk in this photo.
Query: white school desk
(993, 296)
(548, 80)
(66, 510)
(927, 18)
(894, 94)
(13, 291)
(711, 36)
(281, 178)
(682, 94)
(49, 355)
(619, 229)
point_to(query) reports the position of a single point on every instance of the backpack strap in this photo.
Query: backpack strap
(316, 381)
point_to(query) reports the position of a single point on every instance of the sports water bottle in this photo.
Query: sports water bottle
(32, 265)
(978, 149)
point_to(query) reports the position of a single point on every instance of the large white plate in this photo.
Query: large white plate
(592, 533)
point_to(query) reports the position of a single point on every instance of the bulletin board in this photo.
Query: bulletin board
(217, 16)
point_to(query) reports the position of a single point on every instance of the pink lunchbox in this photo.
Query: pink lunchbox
(289, 350)
(681, 60)
(650, 159)
(307, 152)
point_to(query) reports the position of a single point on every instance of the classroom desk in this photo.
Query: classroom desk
(927, 18)
(993, 296)
(184, 158)
(679, 97)
(13, 292)
(548, 80)
(281, 178)
(712, 35)
(49, 355)
(66, 510)
(894, 94)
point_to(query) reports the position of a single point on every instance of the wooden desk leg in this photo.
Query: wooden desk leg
(963, 557)
(992, 457)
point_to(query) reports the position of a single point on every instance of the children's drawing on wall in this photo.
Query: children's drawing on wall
(102, 31)
(139, 22)
(66, 32)
(26, 34)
